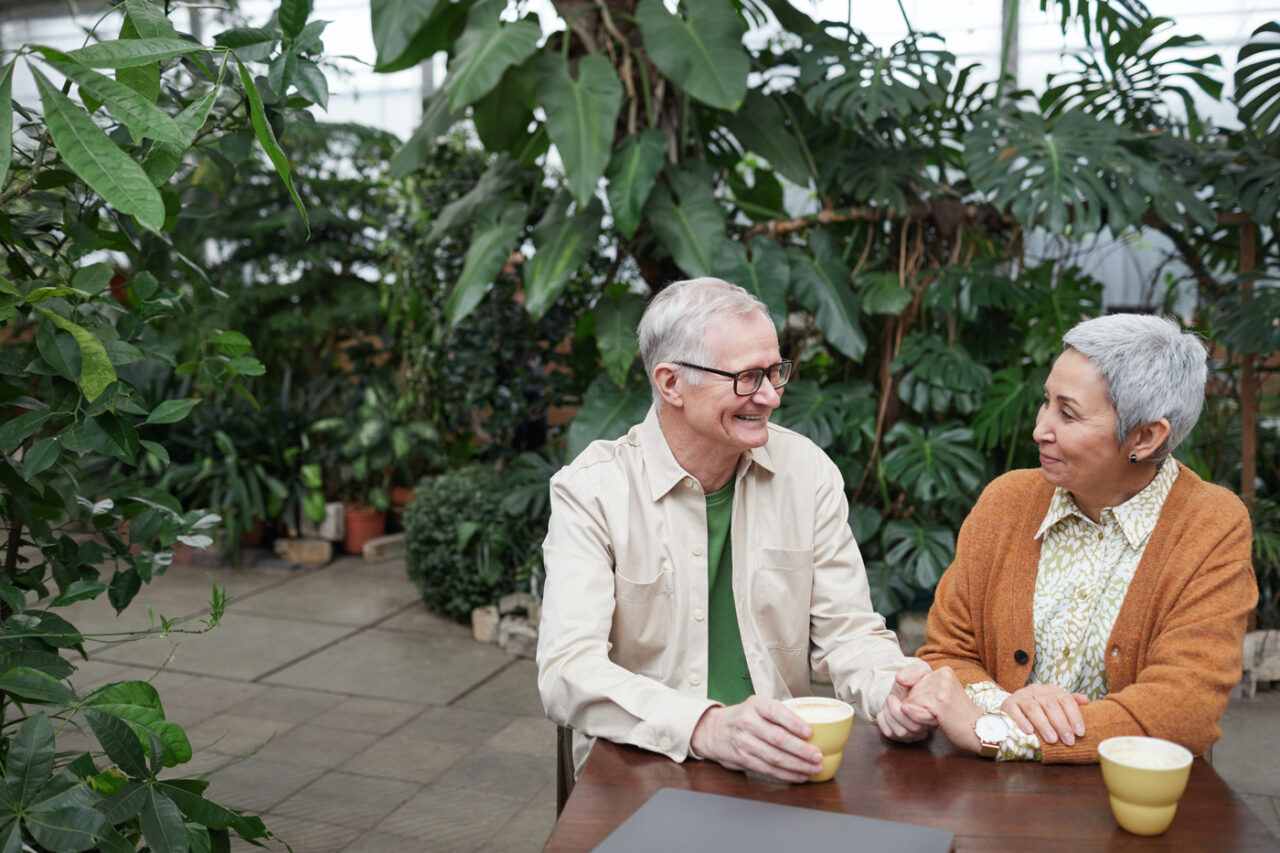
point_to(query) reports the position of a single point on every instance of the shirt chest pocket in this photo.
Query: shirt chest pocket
(642, 615)
(781, 589)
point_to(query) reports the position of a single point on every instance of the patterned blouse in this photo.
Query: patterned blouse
(1084, 573)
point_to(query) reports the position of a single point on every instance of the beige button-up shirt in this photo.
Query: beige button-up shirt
(622, 649)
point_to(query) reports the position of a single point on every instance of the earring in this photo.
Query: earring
(1133, 458)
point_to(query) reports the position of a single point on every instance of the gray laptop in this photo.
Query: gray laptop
(674, 820)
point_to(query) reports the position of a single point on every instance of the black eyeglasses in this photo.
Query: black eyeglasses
(747, 382)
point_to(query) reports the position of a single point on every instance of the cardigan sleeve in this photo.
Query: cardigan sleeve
(1171, 675)
(957, 634)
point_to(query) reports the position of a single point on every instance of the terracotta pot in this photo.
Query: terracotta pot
(363, 524)
(252, 537)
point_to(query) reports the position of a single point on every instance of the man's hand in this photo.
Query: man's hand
(941, 694)
(1049, 711)
(760, 735)
(900, 720)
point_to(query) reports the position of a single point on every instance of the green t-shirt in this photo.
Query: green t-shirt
(728, 679)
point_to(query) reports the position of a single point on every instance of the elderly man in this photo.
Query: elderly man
(701, 567)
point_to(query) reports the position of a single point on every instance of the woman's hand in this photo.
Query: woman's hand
(1049, 711)
(941, 694)
(900, 721)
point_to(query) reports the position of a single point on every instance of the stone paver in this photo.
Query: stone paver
(347, 799)
(452, 819)
(395, 665)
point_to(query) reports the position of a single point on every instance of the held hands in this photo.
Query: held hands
(760, 735)
(899, 720)
(1049, 711)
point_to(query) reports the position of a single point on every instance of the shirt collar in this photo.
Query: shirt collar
(1137, 516)
(662, 470)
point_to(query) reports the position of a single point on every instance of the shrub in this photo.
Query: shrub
(462, 549)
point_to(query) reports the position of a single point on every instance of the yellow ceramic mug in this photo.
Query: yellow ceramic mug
(830, 720)
(1145, 777)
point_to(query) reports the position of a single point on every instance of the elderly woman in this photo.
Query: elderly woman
(1105, 594)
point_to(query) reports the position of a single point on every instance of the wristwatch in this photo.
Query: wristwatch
(991, 730)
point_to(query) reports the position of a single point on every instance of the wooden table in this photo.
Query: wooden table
(988, 805)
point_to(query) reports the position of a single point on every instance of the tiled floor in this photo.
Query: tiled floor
(331, 703)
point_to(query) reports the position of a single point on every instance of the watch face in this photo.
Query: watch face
(991, 728)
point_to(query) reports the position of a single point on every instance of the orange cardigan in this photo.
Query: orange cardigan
(1174, 652)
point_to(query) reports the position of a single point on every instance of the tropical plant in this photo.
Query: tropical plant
(90, 192)
(879, 200)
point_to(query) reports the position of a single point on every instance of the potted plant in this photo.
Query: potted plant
(366, 449)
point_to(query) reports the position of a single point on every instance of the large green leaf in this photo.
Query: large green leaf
(1258, 82)
(267, 139)
(132, 52)
(687, 218)
(437, 118)
(293, 16)
(96, 369)
(148, 21)
(19, 429)
(1133, 75)
(1008, 408)
(405, 32)
(607, 412)
(580, 116)
(70, 829)
(186, 794)
(1246, 321)
(143, 117)
(1062, 177)
(562, 244)
(762, 127)
(6, 120)
(937, 376)
(95, 158)
(138, 706)
(32, 685)
(826, 413)
(161, 822)
(617, 317)
(820, 283)
(920, 551)
(939, 463)
(859, 84)
(491, 246)
(30, 760)
(486, 49)
(633, 169)
(503, 116)
(701, 53)
(501, 175)
(765, 274)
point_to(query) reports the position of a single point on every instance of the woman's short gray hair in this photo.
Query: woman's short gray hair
(675, 323)
(1152, 370)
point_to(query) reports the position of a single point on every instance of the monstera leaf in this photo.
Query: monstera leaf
(1246, 322)
(1258, 81)
(934, 464)
(701, 53)
(825, 413)
(938, 375)
(1131, 73)
(922, 552)
(858, 84)
(1069, 177)
(1095, 15)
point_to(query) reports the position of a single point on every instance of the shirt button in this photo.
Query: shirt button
(695, 679)
(697, 550)
(1020, 656)
(688, 482)
(664, 743)
(698, 615)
